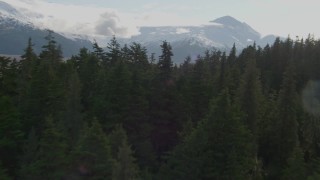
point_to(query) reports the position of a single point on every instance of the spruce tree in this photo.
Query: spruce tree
(165, 63)
(250, 96)
(29, 54)
(99, 53)
(124, 166)
(230, 142)
(286, 123)
(91, 157)
(28, 169)
(116, 138)
(3, 174)
(51, 52)
(165, 113)
(114, 51)
(72, 116)
(117, 95)
(219, 148)
(11, 135)
(50, 156)
(296, 168)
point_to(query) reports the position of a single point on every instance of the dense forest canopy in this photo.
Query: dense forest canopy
(119, 114)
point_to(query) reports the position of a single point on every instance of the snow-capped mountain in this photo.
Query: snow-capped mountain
(16, 27)
(221, 34)
(9, 12)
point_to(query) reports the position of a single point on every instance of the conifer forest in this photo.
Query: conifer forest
(121, 114)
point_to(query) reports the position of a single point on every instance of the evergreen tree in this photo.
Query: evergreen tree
(99, 52)
(165, 63)
(50, 157)
(124, 166)
(29, 54)
(296, 168)
(200, 87)
(91, 157)
(117, 137)
(286, 123)
(232, 55)
(114, 51)
(3, 174)
(27, 63)
(224, 69)
(314, 169)
(116, 96)
(88, 69)
(8, 75)
(10, 135)
(72, 117)
(51, 52)
(165, 111)
(231, 143)
(250, 95)
(138, 55)
(28, 169)
(219, 148)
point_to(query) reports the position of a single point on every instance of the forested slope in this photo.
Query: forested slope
(119, 114)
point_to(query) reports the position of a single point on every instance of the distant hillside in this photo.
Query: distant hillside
(221, 33)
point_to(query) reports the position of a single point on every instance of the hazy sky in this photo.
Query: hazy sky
(104, 17)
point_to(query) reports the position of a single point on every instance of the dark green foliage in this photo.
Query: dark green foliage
(219, 148)
(3, 174)
(51, 51)
(72, 116)
(8, 75)
(117, 137)
(287, 122)
(118, 94)
(49, 158)
(114, 51)
(262, 122)
(29, 54)
(91, 157)
(29, 149)
(296, 168)
(250, 95)
(10, 134)
(165, 63)
(98, 52)
(124, 166)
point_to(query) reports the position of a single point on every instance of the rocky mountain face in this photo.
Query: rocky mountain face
(221, 33)
(15, 30)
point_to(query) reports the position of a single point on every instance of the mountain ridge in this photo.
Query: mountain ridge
(221, 33)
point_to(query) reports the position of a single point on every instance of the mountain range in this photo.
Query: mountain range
(221, 33)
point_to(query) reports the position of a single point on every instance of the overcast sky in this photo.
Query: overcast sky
(123, 17)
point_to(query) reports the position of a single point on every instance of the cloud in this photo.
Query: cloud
(108, 25)
(77, 19)
(182, 30)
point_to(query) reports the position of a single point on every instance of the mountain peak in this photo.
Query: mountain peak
(7, 8)
(227, 20)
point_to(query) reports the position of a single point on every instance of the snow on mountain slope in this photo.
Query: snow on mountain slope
(220, 33)
(16, 28)
(223, 32)
(9, 13)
